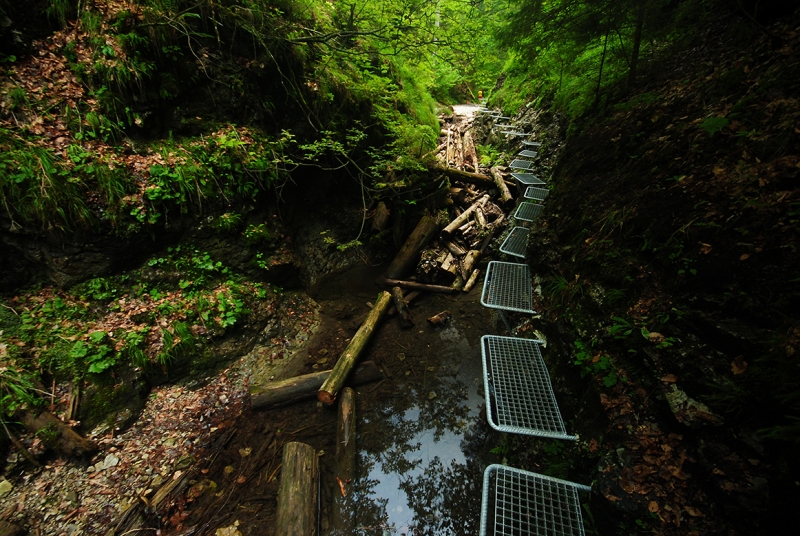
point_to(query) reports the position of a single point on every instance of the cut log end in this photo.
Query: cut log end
(326, 398)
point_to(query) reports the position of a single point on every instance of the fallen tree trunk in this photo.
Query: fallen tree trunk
(67, 442)
(478, 179)
(505, 194)
(472, 279)
(306, 386)
(327, 393)
(425, 230)
(448, 231)
(343, 518)
(297, 499)
(400, 305)
(419, 286)
(469, 263)
(470, 156)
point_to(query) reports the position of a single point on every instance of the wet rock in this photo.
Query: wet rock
(689, 411)
(5, 488)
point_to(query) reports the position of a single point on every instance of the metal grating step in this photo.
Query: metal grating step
(536, 193)
(515, 133)
(503, 117)
(521, 503)
(527, 143)
(501, 126)
(519, 396)
(520, 164)
(508, 287)
(528, 211)
(527, 154)
(516, 242)
(527, 179)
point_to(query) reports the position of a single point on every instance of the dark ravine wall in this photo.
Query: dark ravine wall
(667, 259)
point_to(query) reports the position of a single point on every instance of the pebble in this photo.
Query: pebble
(5, 487)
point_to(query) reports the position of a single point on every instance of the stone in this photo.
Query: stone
(5, 487)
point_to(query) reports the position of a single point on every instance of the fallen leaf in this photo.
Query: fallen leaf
(738, 366)
(744, 257)
(653, 507)
(669, 378)
(705, 249)
(241, 480)
(692, 511)
(341, 487)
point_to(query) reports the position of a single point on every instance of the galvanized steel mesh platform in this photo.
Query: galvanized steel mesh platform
(521, 503)
(536, 193)
(520, 164)
(528, 211)
(516, 242)
(515, 133)
(508, 287)
(527, 143)
(527, 179)
(519, 396)
(527, 154)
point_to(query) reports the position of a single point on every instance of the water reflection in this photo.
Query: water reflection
(419, 465)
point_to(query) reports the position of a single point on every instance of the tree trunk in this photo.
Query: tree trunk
(402, 309)
(637, 43)
(459, 221)
(470, 155)
(327, 393)
(413, 285)
(306, 386)
(407, 256)
(297, 498)
(343, 521)
(505, 194)
(600, 75)
(66, 440)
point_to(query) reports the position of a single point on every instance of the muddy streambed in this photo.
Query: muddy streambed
(423, 439)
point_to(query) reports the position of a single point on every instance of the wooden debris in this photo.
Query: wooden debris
(297, 499)
(327, 393)
(402, 309)
(448, 231)
(440, 319)
(426, 229)
(68, 441)
(380, 221)
(306, 386)
(472, 280)
(505, 194)
(419, 286)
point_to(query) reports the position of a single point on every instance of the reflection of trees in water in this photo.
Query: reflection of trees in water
(445, 500)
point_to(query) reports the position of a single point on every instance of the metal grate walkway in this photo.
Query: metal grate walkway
(521, 503)
(520, 164)
(527, 154)
(519, 396)
(528, 179)
(528, 211)
(508, 287)
(538, 194)
(516, 242)
(527, 143)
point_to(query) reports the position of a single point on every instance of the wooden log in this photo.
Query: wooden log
(505, 194)
(480, 218)
(455, 249)
(459, 150)
(472, 279)
(306, 386)
(469, 262)
(297, 498)
(67, 442)
(327, 393)
(402, 309)
(477, 179)
(470, 155)
(343, 515)
(448, 231)
(440, 319)
(413, 285)
(407, 256)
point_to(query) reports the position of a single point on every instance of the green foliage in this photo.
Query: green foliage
(600, 365)
(712, 125)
